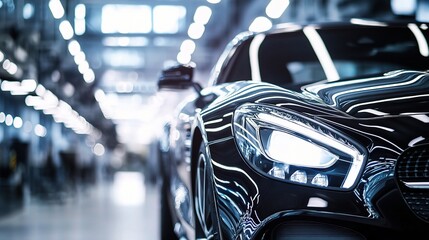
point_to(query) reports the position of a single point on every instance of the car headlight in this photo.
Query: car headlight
(285, 145)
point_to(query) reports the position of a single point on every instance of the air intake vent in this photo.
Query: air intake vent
(412, 172)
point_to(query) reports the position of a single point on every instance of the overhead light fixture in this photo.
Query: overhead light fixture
(79, 19)
(260, 24)
(196, 30)
(66, 30)
(202, 15)
(56, 8)
(276, 8)
(188, 46)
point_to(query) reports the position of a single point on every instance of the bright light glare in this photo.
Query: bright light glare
(2, 117)
(56, 8)
(295, 151)
(89, 76)
(74, 47)
(128, 189)
(80, 11)
(28, 11)
(79, 26)
(98, 149)
(214, 1)
(196, 30)
(125, 41)
(276, 8)
(17, 122)
(202, 15)
(188, 46)
(119, 18)
(66, 30)
(1, 56)
(183, 57)
(83, 67)
(168, 19)
(79, 58)
(260, 24)
(9, 120)
(403, 7)
(40, 130)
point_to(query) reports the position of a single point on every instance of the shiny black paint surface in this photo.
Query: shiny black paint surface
(385, 114)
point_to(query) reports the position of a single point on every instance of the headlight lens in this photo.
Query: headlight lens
(285, 145)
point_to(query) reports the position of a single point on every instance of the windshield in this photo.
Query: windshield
(311, 54)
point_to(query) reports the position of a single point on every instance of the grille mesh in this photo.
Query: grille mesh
(413, 166)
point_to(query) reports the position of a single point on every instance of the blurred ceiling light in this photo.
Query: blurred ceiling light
(276, 8)
(66, 30)
(19, 88)
(17, 122)
(79, 26)
(99, 95)
(421, 40)
(68, 89)
(202, 15)
(124, 87)
(2, 117)
(9, 120)
(10, 67)
(213, 1)
(120, 18)
(80, 11)
(79, 57)
(196, 30)
(40, 130)
(28, 11)
(1, 56)
(188, 46)
(168, 19)
(83, 67)
(74, 47)
(89, 76)
(260, 24)
(322, 53)
(123, 58)
(40, 90)
(125, 41)
(403, 7)
(79, 19)
(56, 8)
(183, 57)
(98, 149)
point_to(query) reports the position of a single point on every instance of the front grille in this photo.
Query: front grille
(412, 171)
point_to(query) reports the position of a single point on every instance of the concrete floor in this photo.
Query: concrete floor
(124, 209)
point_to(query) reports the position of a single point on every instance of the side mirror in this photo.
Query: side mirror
(177, 77)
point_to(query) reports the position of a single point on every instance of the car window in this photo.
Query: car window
(290, 58)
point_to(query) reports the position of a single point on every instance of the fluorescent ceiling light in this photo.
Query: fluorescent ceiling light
(56, 8)
(196, 30)
(188, 46)
(66, 30)
(120, 18)
(260, 24)
(74, 47)
(168, 19)
(202, 15)
(276, 8)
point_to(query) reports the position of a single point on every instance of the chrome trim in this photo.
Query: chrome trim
(420, 185)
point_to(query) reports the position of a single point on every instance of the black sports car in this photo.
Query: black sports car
(303, 132)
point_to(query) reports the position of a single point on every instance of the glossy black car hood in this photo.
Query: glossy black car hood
(392, 94)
